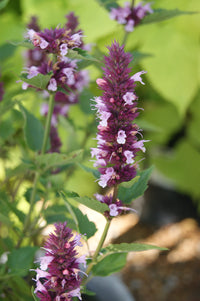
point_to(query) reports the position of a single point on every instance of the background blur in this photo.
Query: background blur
(170, 53)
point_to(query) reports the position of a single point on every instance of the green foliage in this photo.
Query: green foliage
(87, 201)
(52, 160)
(108, 4)
(164, 14)
(21, 260)
(135, 188)
(110, 264)
(39, 81)
(33, 130)
(132, 247)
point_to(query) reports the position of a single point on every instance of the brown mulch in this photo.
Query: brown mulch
(172, 275)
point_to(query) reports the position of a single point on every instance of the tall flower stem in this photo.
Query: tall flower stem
(27, 222)
(100, 244)
(48, 124)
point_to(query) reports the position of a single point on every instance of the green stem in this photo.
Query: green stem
(27, 222)
(103, 237)
(125, 38)
(48, 124)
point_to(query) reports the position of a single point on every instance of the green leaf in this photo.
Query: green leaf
(85, 101)
(85, 225)
(164, 14)
(129, 247)
(25, 43)
(92, 204)
(110, 264)
(3, 3)
(48, 161)
(80, 54)
(138, 56)
(127, 194)
(88, 202)
(57, 213)
(21, 260)
(95, 172)
(5, 220)
(6, 51)
(108, 4)
(39, 81)
(33, 130)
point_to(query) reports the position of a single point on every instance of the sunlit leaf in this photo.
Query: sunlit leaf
(52, 160)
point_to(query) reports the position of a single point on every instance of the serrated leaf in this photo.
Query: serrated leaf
(110, 264)
(92, 204)
(25, 43)
(128, 194)
(129, 247)
(39, 81)
(48, 161)
(85, 225)
(33, 130)
(164, 14)
(21, 260)
(108, 4)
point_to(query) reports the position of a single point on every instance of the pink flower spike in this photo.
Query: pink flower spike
(40, 287)
(121, 137)
(76, 293)
(31, 34)
(43, 43)
(52, 85)
(113, 210)
(129, 97)
(33, 71)
(45, 261)
(130, 26)
(63, 49)
(41, 274)
(129, 156)
(140, 145)
(24, 86)
(100, 82)
(137, 78)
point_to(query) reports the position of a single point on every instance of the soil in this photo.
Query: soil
(172, 275)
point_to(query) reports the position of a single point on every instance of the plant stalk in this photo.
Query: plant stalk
(27, 222)
(100, 244)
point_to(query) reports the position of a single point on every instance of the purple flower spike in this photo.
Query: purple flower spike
(58, 277)
(117, 109)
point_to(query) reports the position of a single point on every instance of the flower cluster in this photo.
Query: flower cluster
(49, 56)
(58, 277)
(130, 15)
(117, 109)
(115, 208)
